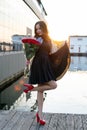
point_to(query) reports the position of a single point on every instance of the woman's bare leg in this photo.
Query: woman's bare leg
(46, 86)
(40, 103)
(41, 87)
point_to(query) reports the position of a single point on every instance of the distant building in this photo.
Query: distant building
(78, 44)
(17, 42)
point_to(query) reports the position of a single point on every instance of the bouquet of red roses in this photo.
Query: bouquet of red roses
(31, 46)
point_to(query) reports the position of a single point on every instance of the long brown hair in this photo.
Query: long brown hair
(44, 28)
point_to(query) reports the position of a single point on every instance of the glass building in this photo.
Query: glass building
(17, 19)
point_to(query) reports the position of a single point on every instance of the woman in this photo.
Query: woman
(42, 71)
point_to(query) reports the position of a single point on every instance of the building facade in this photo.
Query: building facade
(17, 18)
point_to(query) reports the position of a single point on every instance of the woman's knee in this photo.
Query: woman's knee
(53, 84)
(41, 91)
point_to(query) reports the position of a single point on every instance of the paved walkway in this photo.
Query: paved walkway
(24, 120)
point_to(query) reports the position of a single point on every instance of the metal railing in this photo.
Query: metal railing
(6, 47)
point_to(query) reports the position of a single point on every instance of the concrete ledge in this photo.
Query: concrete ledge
(78, 54)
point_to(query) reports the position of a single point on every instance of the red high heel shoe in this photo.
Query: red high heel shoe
(37, 116)
(29, 88)
(41, 122)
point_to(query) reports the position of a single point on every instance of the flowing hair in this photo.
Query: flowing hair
(44, 29)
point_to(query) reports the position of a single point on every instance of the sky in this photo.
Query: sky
(66, 18)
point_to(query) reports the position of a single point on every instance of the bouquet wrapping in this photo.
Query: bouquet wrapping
(31, 46)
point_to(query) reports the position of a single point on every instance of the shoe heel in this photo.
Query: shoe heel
(26, 91)
(29, 88)
(41, 122)
(37, 117)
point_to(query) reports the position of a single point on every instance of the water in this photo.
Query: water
(78, 63)
(69, 97)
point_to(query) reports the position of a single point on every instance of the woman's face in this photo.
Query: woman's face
(38, 30)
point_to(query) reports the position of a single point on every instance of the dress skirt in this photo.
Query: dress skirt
(60, 61)
(45, 67)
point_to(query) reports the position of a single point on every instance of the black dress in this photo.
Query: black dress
(46, 67)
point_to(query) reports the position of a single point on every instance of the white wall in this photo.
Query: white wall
(78, 44)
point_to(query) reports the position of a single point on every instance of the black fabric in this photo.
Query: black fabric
(47, 67)
(60, 61)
